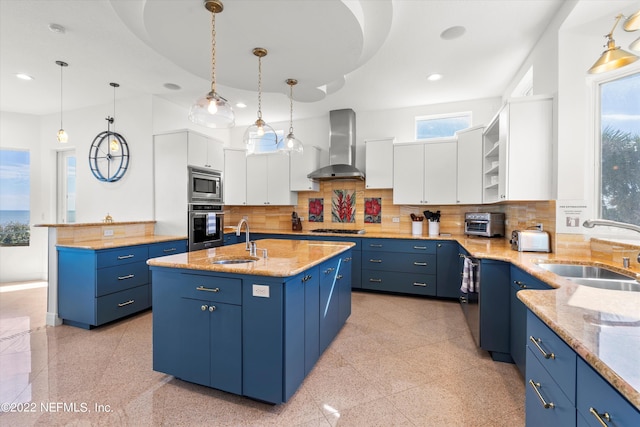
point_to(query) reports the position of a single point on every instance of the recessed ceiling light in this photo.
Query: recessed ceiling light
(172, 86)
(57, 28)
(23, 76)
(241, 105)
(434, 77)
(452, 33)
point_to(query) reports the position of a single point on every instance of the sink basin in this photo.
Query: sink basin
(595, 277)
(234, 260)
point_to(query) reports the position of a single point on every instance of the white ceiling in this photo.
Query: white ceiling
(360, 54)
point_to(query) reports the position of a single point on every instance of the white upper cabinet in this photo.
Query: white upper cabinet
(517, 151)
(301, 166)
(469, 161)
(268, 178)
(379, 163)
(205, 152)
(424, 173)
(235, 177)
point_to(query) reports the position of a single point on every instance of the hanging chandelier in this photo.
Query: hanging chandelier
(212, 110)
(260, 136)
(290, 144)
(62, 136)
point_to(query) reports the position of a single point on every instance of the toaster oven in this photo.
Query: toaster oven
(485, 224)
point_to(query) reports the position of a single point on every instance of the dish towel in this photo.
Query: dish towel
(468, 277)
(211, 224)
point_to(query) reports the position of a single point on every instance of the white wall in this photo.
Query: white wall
(22, 132)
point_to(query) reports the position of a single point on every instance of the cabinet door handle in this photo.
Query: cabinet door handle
(545, 404)
(422, 248)
(329, 270)
(371, 245)
(377, 261)
(424, 285)
(536, 342)
(202, 288)
(600, 417)
(169, 250)
(521, 284)
(204, 307)
(125, 256)
(122, 304)
(376, 280)
(463, 300)
(347, 259)
(339, 276)
(212, 308)
(128, 276)
(421, 264)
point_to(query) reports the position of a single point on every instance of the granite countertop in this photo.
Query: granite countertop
(285, 258)
(119, 242)
(93, 224)
(601, 326)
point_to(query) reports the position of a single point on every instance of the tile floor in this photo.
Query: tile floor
(399, 361)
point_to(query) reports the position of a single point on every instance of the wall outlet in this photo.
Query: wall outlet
(108, 233)
(395, 219)
(301, 218)
(261, 291)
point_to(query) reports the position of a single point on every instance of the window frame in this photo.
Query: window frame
(441, 116)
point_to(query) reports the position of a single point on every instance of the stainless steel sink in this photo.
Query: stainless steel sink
(595, 277)
(234, 260)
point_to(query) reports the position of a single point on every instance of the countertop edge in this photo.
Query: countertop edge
(121, 242)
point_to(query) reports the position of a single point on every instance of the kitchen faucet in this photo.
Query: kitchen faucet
(239, 229)
(590, 223)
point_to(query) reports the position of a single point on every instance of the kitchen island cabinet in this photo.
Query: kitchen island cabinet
(97, 286)
(254, 329)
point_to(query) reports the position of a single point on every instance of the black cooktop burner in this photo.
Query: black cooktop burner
(337, 230)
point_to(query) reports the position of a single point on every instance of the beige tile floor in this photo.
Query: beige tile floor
(399, 361)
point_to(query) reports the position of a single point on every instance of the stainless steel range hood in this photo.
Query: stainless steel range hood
(342, 148)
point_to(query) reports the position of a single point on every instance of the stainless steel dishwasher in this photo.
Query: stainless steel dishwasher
(470, 295)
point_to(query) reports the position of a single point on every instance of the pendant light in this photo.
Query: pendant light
(212, 110)
(632, 23)
(613, 57)
(62, 135)
(291, 144)
(260, 134)
(114, 145)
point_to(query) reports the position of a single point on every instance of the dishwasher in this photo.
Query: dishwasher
(470, 293)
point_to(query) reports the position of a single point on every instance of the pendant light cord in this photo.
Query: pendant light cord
(213, 52)
(291, 108)
(61, 66)
(259, 87)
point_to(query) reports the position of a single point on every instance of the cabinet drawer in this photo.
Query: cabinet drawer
(561, 414)
(121, 277)
(401, 262)
(525, 280)
(167, 248)
(211, 288)
(399, 245)
(595, 392)
(560, 360)
(125, 255)
(114, 306)
(408, 283)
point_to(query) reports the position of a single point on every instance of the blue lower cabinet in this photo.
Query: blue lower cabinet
(449, 266)
(344, 288)
(546, 403)
(230, 239)
(121, 304)
(393, 281)
(211, 342)
(329, 301)
(311, 319)
(598, 402)
(494, 312)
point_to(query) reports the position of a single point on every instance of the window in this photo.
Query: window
(620, 149)
(14, 197)
(264, 145)
(441, 126)
(66, 187)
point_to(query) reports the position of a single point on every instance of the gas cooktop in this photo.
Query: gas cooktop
(337, 230)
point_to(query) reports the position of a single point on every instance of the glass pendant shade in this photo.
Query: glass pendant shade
(291, 144)
(632, 23)
(62, 136)
(212, 110)
(260, 137)
(635, 45)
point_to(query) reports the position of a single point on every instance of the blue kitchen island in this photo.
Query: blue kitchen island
(249, 325)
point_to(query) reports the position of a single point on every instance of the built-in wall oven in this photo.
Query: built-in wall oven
(206, 226)
(205, 186)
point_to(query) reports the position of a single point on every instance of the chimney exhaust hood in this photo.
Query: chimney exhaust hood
(342, 149)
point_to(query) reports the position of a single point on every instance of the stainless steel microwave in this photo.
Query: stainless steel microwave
(205, 186)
